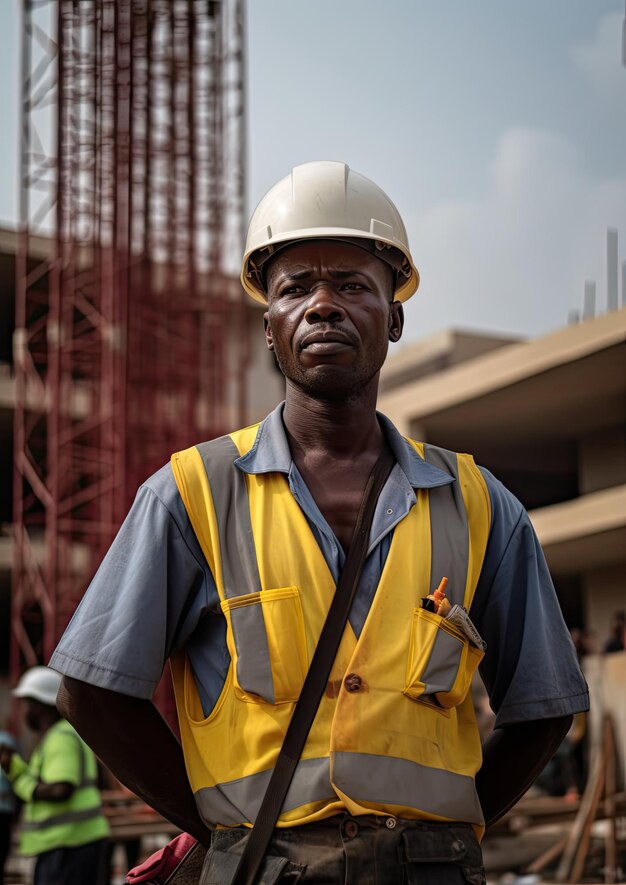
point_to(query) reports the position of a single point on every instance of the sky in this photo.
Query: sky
(497, 127)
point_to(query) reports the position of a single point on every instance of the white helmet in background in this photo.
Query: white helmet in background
(40, 684)
(327, 200)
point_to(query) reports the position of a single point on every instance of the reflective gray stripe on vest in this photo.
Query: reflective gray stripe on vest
(448, 528)
(443, 663)
(68, 817)
(239, 800)
(387, 780)
(239, 564)
(232, 508)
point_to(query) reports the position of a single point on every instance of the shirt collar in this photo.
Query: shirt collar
(270, 453)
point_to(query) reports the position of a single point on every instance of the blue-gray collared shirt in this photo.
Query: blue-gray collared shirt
(154, 592)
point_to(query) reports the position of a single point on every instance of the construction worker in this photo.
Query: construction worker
(8, 806)
(62, 821)
(228, 561)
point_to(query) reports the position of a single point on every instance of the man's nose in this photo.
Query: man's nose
(323, 306)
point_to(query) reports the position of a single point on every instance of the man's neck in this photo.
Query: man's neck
(333, 429)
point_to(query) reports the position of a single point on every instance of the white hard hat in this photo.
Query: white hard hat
(327, 200)
(40, 684)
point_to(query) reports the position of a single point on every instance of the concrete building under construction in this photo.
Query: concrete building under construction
(548, 418)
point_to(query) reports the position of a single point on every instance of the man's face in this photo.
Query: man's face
(34, 714)
(330, 316)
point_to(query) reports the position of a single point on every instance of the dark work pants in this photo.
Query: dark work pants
(348, 850)
(82, 865)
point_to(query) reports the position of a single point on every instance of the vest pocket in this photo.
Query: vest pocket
(270, 645)
(441, 661)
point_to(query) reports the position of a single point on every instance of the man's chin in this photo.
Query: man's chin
(331, 383)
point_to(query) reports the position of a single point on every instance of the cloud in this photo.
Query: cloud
(600, 58)
(517, 260)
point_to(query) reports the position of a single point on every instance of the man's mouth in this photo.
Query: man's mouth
(326, 341)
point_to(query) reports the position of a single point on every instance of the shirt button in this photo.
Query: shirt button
(350, 829)
(389, 511)
(390, 823)
(353, 682)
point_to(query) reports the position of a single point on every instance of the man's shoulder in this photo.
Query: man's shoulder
(61, 737)
(162, 485)
(503, 501)
(505, 507)
(448, 460)
(506, 510)
(242, 438)
(185, 466)
(161, 491)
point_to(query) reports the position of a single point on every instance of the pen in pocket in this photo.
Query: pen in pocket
(436, 601)
(439, 604)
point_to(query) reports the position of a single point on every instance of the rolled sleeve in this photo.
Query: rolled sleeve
(145, 601)
(23, 782)
(530, 669)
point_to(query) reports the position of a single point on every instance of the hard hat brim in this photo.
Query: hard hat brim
(35, 695)
(249, 282)
(39, 684)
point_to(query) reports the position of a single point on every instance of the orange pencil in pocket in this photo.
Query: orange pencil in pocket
(436, 601)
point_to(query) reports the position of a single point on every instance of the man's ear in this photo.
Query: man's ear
(396, 321)
(269, 339)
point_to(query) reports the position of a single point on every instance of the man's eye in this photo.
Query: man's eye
(351, 287)
(292, 290)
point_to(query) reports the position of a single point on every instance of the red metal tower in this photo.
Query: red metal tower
(130, 329)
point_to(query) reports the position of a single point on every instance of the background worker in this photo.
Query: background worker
(230, 556)
(62, 821)
(8, 806)
(617, 639)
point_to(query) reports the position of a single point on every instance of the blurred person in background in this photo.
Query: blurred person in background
(579, 643)
(616, 642)
(62, 821)
(8, 806)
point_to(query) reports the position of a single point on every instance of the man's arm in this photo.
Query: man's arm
(530, 670)
(133, 740)
(513, 757)
(58, 792)
(25, 784)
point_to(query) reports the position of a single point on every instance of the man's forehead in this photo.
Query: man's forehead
(333, 254)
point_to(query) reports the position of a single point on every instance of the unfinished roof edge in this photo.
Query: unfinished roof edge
(417, 359)
(600, 511)
(504, 367)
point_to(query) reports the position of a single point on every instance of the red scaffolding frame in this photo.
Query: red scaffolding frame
(131, 336)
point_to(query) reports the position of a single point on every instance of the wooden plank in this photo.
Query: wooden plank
(130, 818)
(547, 856)
(610, 839)
(584, 818)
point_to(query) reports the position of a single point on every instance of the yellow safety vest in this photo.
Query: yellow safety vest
(77, 820)
(405, 742)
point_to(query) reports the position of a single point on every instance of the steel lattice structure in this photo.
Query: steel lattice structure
(132, 169)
